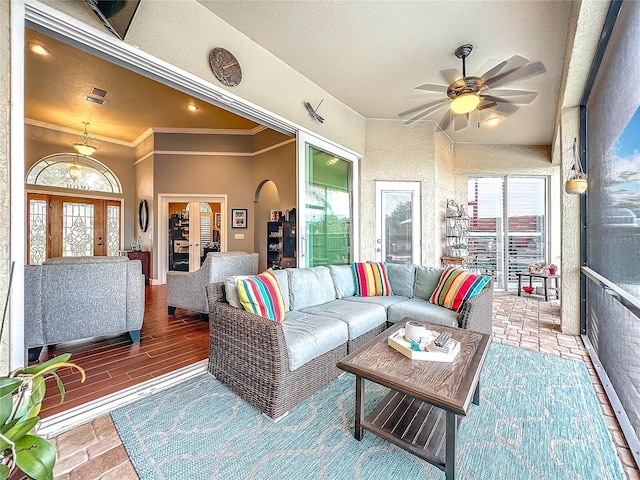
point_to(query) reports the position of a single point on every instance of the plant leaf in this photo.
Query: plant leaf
(4, 472)
(20, 429)
(60, 386)
(8, 385)
(35, 457)
(35, 369)
(6, 405)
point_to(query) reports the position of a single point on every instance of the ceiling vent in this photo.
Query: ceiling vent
(99, 101)
(98, 92)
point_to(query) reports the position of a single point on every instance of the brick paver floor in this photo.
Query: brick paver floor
(94, 451)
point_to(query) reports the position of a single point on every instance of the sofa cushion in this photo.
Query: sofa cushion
(309, 336)
(309, 287)
(371, 279)
(261, 295)
(343, 280)
(401, 278)
(359, 317)
(422, 310)
(427, 279)
(385, 302)
(456, 286)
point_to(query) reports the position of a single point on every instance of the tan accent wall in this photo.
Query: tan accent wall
(278, 169)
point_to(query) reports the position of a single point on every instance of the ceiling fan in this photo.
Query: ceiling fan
(466, 94)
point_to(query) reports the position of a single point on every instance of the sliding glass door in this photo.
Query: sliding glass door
(327, 179)
(508, 229)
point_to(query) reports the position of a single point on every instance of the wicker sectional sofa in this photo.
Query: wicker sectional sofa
(274, 366)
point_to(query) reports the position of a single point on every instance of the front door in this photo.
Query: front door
(398, 222)
(61, 226)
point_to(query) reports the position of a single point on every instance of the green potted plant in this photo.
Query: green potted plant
(459, 250)
(21, 395)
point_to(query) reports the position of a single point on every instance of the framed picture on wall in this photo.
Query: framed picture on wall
(218, 220)
(238, 218)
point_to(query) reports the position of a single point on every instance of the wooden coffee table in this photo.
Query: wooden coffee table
(420, 413)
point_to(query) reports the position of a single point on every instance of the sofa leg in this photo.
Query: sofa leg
(171, 310)
(135, 336)
(34, 353)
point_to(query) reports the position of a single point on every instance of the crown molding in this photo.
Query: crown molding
(73, 131)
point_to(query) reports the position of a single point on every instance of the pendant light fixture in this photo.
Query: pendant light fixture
(577, 182)
(83, 145)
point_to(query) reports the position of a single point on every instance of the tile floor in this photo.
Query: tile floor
(94, 451)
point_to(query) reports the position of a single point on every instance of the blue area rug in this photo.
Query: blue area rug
(538, 418)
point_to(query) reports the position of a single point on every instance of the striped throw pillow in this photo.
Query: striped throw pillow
(456, 286)
(371, 279)
(261, 295)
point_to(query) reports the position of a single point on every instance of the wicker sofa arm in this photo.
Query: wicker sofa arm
(477, 312)
(245, 347)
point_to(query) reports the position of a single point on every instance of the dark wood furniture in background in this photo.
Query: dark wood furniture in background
(411, 415)
(145, 258)
(281, 244)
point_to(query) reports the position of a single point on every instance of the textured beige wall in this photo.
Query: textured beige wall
(570, 228)
(5, 171)
(184, 37)
(395, 151)
(445, 186)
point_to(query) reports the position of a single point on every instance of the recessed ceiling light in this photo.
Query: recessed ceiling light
(492, 121)
(39, 49)
(192, 108)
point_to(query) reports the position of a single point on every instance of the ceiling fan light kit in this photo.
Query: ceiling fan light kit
(577, 183)
(483, 92)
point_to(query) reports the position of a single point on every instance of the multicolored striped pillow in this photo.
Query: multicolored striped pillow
(456, 286)
(261, 295)
(371, 279)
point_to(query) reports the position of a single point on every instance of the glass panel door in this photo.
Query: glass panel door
(328, 208)
(398, 222)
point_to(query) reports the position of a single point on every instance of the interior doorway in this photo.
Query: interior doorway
(187, 228)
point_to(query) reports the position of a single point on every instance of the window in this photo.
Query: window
(508, 229)
(71, 170)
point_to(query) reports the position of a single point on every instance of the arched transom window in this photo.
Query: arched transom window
(75, 171)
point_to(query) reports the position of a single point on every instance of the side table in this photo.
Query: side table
(545, 282)
(449, 260)
(145, 258)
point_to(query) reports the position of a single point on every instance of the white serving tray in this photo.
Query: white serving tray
(397, 342)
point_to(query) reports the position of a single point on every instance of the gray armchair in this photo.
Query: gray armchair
(72, 298)
(188, 290)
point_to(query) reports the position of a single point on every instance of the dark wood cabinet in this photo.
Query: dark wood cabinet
(145, 258)
(281, 244)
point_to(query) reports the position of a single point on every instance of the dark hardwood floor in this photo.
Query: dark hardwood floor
(114, 363)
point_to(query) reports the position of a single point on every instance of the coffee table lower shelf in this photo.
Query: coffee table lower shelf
(411, 424)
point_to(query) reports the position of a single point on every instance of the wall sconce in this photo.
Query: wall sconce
(577, 182)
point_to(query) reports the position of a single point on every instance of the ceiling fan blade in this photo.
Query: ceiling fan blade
(429, 87)
(530, 70)
(511, 93)
(424, 106)
(512, 63)
(450, 75)
(427, 112)
(460, 122)
(422, 96)
(505, 109)
(446, 120)
(484, 106)
(520, 100)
